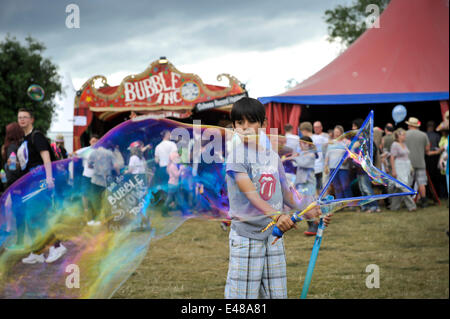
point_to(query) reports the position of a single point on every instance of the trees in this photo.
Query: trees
(21, 66)
(347, 23)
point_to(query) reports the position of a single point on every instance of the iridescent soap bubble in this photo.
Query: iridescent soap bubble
(106, 227)
(35, 92)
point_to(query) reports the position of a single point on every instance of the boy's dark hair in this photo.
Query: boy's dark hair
(306, 139)
(26, 110)
(358, 122)
(248, 108)
(95, 136)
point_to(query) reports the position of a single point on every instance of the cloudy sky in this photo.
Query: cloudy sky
(263, 43)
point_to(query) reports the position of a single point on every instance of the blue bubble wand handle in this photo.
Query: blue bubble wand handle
(312, 260)
(315, 251)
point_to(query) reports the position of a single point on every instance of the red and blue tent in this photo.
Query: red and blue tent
(405, 59)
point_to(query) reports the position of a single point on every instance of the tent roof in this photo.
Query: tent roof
(406, 59)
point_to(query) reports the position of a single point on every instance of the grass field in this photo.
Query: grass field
(410, 249)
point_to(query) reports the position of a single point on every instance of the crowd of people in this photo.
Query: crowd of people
(415, 158)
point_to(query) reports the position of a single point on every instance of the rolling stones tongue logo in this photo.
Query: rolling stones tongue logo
(268, 183)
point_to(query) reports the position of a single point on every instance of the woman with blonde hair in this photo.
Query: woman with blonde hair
(401, 169)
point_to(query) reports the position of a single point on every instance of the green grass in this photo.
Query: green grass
(411, 250)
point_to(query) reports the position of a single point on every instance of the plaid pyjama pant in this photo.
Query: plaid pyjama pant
(257, 269)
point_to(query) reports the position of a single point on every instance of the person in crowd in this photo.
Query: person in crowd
(105, 167)
(331, 134)
(90, 204)
(432, 158)
(357, 123)
(318, 130)
(61, 173)
(335, 151)
(136, 164)
(377, 160)
(386, 143)
(292, 140)
(162, 153)
(443, 128)
(385, 155)
(418, 145)
(14, 136)
(174, 196)
(292, 145)
(320, 140)
(38, 149)
(13, 139)
(59, 147)
(377, 138)
(401, 170)
(443, 165)
(305, 180)
(364, 182)
(444, 123)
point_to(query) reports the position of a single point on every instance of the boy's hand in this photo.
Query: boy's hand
(285, 223)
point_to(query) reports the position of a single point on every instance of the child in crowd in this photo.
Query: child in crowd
(174, 194)
(305, 180)
(257, 192)
(136, 164)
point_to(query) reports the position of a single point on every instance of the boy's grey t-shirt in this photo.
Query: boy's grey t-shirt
(265, 172)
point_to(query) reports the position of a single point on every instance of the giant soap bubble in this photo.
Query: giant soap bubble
(106, 223)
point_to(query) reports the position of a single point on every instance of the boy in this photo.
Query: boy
(257, 191)
(305, 179)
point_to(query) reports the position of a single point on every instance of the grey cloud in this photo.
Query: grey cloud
(117, 35)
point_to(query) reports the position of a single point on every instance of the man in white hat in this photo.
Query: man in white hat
(418, 145)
